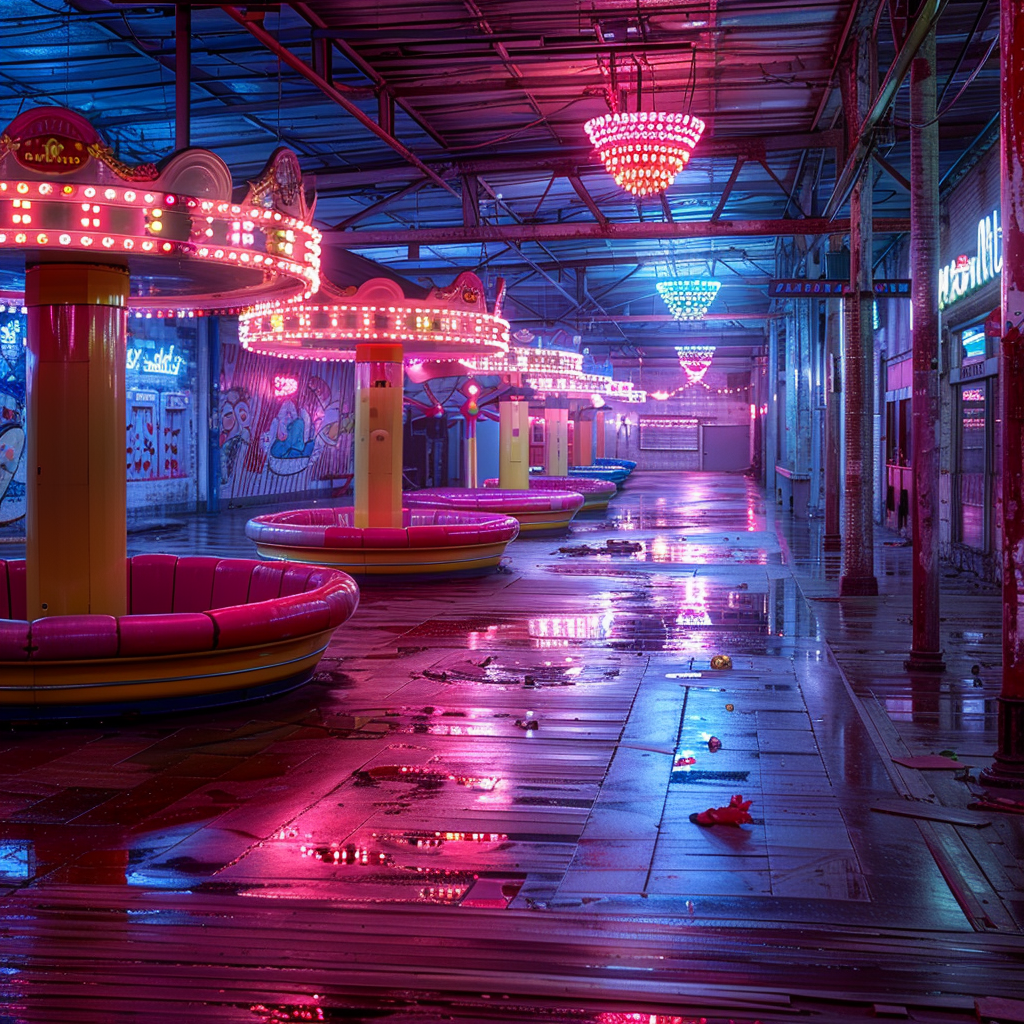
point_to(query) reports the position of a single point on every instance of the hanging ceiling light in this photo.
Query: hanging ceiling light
(695, 361)
(689, 298)
(644, 150)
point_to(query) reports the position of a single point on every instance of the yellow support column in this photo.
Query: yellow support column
(556, 437)
(378, 441)
(514, 444)
(583, 440)
(77, 490)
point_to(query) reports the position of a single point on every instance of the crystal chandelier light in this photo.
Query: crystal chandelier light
(644, 150)
(689, 298)
(695, 361)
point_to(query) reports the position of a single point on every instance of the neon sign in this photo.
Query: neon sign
(163, 362)
(285, 386)
(967, 274)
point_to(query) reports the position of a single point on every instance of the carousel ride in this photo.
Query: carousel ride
(570, 396)
(382, 329)
(84, 237)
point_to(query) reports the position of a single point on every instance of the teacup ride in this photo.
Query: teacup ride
(378, 325)
(627, 464)
(199, 631)
(596, 493)
(90, 237)
(429, 541)
(535, 511)
(555, 377)
(611, 474)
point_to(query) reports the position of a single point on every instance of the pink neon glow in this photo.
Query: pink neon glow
(695, 361)
(284, 386)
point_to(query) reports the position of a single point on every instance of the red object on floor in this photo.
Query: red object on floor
(736, 812)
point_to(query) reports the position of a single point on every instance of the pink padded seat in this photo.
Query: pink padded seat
(153, 584)
(193, 583)
(295, 577)
(299, 615)
(269, 603)
(14, 639)
(336, 537)
(231, 582)
(265, 582)
(145, 635)
(384, 537)
(427, 536)
(70, 637)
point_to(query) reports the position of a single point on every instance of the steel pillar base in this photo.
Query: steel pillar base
(925, 661)
(832, 542)
(858, 586)
(1008, 765)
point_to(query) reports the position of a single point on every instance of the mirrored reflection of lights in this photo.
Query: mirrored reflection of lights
(543, 632)
(648, 1018)
(286, 1013)
(414, 773)
(335, 853)
(443, 893)
(436, 840)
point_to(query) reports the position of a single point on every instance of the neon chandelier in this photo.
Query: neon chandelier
(689, 298)
(644, 150)
(695, 361)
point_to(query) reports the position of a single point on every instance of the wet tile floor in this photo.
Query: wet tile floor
(498, 772)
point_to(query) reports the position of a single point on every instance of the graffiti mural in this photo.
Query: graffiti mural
(286, 426)
(12, 420)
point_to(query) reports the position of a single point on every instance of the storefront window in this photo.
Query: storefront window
(971, 482)
(160, 441)
(972, 345)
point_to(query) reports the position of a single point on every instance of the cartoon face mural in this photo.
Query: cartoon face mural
(234, 429)
(286, 425)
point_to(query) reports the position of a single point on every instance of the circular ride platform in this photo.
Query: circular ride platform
(613, 474)
(429, 541)
(596, 493)
(627, 464)
(536, 512)
(201, 631)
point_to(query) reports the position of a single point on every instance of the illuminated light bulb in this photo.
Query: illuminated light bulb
(64, 239)
(22, 187)
(129, 197)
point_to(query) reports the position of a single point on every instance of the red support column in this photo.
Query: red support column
(925, 651)
(1008, 767)
(858, 574)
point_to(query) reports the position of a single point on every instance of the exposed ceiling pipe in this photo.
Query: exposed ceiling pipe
(296, 63)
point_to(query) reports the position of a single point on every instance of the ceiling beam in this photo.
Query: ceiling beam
(668, 318)
(588, 199)
(376, 207)
(576, 232)
(258, 32)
